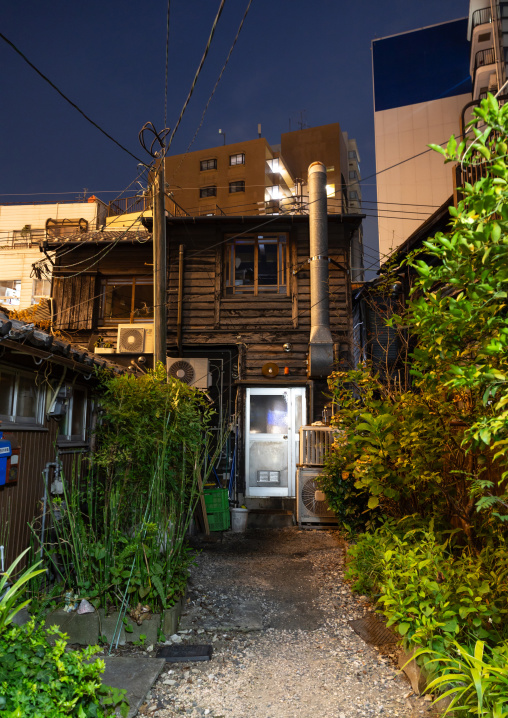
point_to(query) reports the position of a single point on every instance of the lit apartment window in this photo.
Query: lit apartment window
(238, 159)
(208, 192)
(208, 165)
(238, 186)
(21, 399)
(127, 299)
(10, 291)
(256, 264)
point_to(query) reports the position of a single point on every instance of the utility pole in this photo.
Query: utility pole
(159, 266)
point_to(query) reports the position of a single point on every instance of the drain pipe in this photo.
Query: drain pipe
(320, 361)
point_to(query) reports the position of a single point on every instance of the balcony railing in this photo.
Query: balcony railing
(481, 17)
(129, 205)
(482, 59)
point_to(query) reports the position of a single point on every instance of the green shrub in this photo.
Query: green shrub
(38, 680)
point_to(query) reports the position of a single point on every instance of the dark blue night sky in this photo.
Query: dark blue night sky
(295, 60)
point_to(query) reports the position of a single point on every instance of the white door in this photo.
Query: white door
(273, 419)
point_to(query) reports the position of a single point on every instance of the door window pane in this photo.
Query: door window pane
(267, 263)
(268, 415)
(78, 413)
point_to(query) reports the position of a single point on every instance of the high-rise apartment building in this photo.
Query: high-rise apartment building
(488, 34)
(421, 84)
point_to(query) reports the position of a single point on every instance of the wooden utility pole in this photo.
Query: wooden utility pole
(159, 268)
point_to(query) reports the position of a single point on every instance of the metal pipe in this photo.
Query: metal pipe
(159, 269)
(180, 301)
(320, 342)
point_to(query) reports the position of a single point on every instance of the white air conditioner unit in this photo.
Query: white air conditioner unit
(311, 504)
(194, 372)
(135, 339)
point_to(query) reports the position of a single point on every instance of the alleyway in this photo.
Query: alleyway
(274, 607)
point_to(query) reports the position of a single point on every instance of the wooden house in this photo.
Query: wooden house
(239, 324)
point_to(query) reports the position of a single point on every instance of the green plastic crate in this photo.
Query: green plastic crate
(219, 520)
(216, 500)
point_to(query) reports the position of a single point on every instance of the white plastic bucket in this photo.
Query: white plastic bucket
(239, 519)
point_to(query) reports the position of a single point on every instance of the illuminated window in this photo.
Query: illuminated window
(238, 159)
(256, 264)
(237, 186)
(208, 192)
(208, 165)
(127, 299)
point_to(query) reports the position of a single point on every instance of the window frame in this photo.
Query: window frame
(36, 298)
(203, 190)
(8, 300)
(64, 435)
(22, 422)
(144, 280)
(237, 159)
(236, 186)
(281, 289)
(212, 160)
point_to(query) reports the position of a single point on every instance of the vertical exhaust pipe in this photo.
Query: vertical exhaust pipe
(320, 342)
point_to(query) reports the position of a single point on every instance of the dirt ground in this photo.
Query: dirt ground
(274, 606)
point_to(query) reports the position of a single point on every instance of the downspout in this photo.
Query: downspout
(180, 301)
(320, 362)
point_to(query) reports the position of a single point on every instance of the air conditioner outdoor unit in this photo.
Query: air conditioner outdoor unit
(194, 372)
(311, 504)
(135, 339)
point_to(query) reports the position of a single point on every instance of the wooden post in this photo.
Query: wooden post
(159, 269)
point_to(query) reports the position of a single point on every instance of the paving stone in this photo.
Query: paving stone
(82, 629)
(134, 673)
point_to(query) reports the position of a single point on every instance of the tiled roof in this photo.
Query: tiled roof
(16, 334)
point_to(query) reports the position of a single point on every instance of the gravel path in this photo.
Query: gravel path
(276, 610)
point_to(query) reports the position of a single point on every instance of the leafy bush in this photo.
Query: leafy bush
(477, 679)
(43, 681)
(430, 594)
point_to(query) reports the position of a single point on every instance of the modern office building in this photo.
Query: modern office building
(421, 84)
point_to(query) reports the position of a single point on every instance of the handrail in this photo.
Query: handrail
(482, 59)
(481, 17)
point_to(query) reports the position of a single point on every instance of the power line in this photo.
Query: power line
(198, 72)
(213, 91)
(71, 103)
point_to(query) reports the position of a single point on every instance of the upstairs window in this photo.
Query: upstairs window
(208, 192)
(353, 174)
(208, 165)
(73, 424)
(352, 155)
(126, 299)
(238, 159)
(237, 186)
(41, 289)
(256, 264)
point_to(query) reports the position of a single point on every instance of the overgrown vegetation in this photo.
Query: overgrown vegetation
(118, 534)
(428, 456)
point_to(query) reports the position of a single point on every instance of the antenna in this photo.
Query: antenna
(259, 129)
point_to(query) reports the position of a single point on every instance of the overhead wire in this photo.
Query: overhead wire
(71, 103)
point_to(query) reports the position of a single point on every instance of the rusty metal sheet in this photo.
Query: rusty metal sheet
(372, 630)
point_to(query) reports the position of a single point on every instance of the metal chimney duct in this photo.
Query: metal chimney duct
(320, 342)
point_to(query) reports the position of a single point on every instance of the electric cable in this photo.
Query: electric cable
(213, 91)
(198, 72)
(71, 103)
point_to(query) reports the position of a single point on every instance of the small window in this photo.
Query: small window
(237, 186)
(21, 399)
(353, 195)
(256, 264)
(485, 37)
(208, 192)
(238, 159)
(353, 174)
(352, 155)
(73, 424)
(41, 289)
(10, 291)
(208, 165)
(127, 299)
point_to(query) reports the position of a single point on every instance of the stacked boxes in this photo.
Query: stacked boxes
(217, 509)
